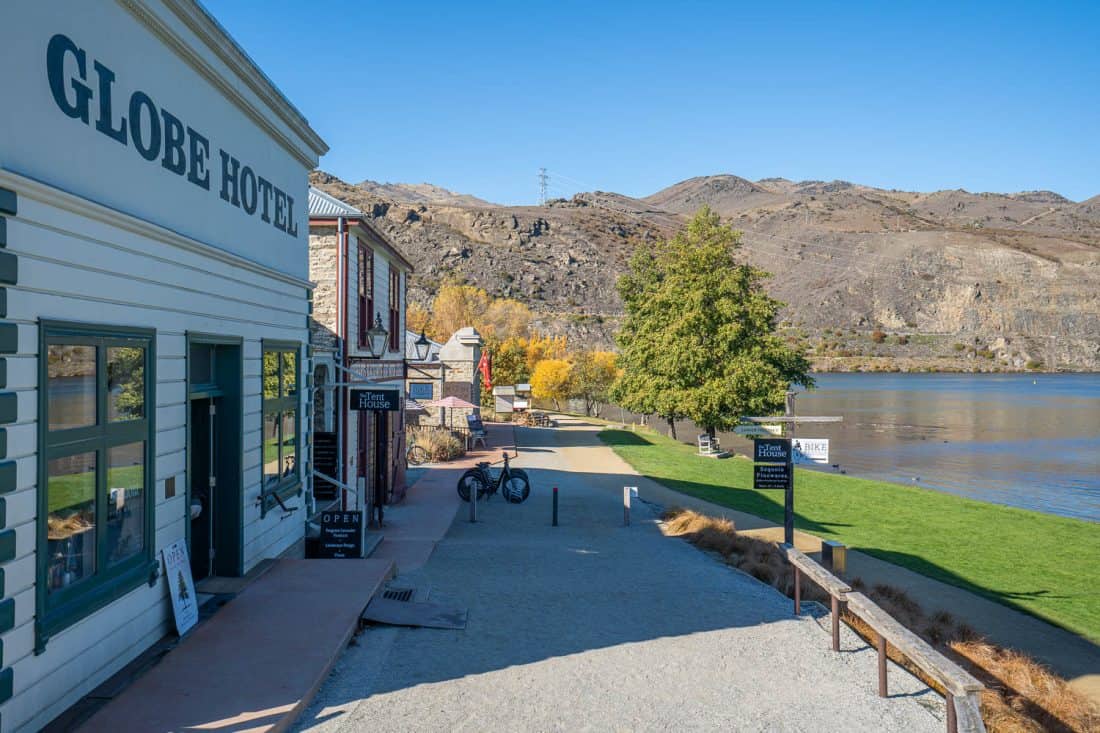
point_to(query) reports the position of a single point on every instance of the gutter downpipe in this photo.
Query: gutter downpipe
(341, 327)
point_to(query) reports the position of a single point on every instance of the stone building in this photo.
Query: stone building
(358, 335)
(449, 370)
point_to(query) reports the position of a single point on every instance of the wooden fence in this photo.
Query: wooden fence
(962, 690)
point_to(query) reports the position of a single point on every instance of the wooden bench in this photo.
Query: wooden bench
(962, 688)
(837, 589)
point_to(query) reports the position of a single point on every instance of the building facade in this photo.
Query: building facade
(155, 304)
(450, 370)
(361, 279)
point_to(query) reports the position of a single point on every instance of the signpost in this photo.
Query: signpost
(384, 400)
(181, 586)
(341, 535)
(768, 475)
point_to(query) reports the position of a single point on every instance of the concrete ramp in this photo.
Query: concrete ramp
(259, 660)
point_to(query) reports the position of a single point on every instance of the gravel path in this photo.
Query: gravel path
(596, 626)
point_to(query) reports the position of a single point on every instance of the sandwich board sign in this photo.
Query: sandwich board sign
(341, 535)
(810, 450)
(181, 586)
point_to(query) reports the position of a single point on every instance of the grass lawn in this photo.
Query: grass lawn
(1042, 564)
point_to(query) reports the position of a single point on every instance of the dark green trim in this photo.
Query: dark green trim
(3, 301)
(9, 202)
(3, 522)
(7, 545)
(3, 442)
(9, 407)
(3, 371)
(7, 615)
(9, 268)
(293, 485)
(9, 338)
(3, 232)
(6, 684)
(65, 606)
(1, 592)
(8, 474)
(229, 389)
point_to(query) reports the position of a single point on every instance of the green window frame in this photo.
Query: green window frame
(91, 548)
(281, 436)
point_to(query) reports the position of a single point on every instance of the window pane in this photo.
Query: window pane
(271, 375)
(70, 526)
(290, 445)
(72, 382)
(125, 383)
(125, 502)
(271, 449)
(290, 373)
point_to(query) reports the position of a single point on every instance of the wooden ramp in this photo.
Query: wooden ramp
(258, 661)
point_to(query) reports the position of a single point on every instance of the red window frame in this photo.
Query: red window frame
(395, 313)
(366, 292)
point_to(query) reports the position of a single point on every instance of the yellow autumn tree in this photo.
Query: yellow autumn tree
(551, 381)
(457, 306)
(544, 347)
(418, 319)
(591, 377)
(504, 319)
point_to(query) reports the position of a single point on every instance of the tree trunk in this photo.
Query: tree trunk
(557, 407)
(671, 427)
(710, 434)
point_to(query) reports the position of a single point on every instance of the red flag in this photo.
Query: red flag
(485, 366)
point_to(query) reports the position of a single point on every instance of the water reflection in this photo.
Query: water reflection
(1031, 441)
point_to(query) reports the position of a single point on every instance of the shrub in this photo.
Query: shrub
(1034, 364)
(902, 340)
(442, 445)
(959, 347)
(878, 336)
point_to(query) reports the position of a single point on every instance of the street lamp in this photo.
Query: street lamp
(376, 338)
(422, 346)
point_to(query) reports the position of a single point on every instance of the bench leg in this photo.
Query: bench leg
(797, 592)
(836, 624)
(881, 643)
(952, 718)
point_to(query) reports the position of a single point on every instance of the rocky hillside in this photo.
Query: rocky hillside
(949, 279)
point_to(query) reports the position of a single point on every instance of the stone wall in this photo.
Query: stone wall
(323, 252)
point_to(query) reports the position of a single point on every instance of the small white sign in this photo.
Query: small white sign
(181, 587)
(810, 450)
(750, 431)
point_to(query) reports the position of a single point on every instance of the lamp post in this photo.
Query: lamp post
(422, 346)
(376, 338)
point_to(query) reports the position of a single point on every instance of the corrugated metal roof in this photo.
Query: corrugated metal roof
(410, 348)
(321, 204)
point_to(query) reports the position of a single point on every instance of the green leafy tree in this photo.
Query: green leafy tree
(699, 337)
(591, 377)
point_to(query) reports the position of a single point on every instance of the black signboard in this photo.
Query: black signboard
(772, 450)
(341, 535)
(375, 399)
(771, 476)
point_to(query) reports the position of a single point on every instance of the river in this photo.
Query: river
(1031, 441)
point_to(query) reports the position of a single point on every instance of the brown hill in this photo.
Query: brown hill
(974, 281)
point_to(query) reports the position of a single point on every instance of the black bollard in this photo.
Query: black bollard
(555, 506)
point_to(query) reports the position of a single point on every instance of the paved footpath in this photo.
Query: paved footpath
(595, 626)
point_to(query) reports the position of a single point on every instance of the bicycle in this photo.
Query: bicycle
(417, 455)
(513, 482)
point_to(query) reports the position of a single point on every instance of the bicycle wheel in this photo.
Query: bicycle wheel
(516, 488)
(417, 455)
(471, 481)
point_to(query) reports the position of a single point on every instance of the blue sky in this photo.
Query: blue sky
(635, 96)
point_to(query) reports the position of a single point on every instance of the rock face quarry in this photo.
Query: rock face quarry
(950, 279)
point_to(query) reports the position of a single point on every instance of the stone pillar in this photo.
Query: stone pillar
(461, 378)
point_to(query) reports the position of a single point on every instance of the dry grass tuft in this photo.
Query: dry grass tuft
(1021, 696)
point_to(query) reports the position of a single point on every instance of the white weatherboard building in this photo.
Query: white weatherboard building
(154, 268)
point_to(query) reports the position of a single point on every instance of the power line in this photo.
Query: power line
(543, 179)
